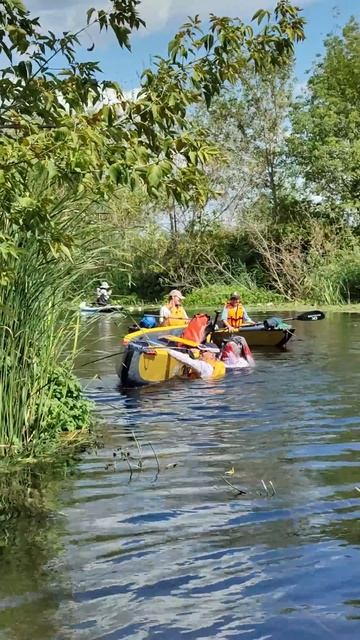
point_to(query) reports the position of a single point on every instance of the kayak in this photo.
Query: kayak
(257, 335)
(96, 308)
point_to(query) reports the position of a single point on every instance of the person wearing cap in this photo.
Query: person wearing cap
(173, 313)
(103, 293)
(234, 314)
(206, 366)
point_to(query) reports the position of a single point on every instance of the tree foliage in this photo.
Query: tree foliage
(61, 138)
(326, 123)
(249, 121)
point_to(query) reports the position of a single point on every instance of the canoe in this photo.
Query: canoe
(257, 336)
(146, 359)
(144, 363)
(95, 308)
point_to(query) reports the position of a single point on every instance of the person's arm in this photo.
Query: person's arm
(204, 369)
(164, 313)
(224, 318)
(247, 317)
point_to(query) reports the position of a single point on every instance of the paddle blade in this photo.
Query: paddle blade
(311, 315)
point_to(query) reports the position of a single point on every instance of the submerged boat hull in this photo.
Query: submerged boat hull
(256, 336)
(143, 365)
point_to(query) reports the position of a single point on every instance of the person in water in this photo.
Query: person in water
(236, 354)
(234, 314)
(207, 366)
(173, 313)
(103, 294)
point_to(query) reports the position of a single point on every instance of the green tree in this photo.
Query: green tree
(325, 142)
(250, 124)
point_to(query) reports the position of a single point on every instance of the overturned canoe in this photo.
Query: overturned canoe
(147, 360)
(144, 364)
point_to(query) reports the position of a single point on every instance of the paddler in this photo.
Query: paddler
(206, 366)
(103, 293)
(173, 313)
(234, 314)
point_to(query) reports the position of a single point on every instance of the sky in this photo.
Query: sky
(163, 17)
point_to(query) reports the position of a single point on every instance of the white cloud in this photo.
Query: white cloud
(61, 15)
(169, 12)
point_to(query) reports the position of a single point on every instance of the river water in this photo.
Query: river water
(170, 550)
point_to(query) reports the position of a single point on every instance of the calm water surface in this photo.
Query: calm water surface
(176, 554)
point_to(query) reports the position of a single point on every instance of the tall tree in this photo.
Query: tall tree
(249, 123)
(326, 128)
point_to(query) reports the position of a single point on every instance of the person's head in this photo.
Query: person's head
(209, 351)
(235, 298)
(104, 285)
(176, 296)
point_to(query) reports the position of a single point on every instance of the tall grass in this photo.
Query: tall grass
(36, 325)
(337, 281)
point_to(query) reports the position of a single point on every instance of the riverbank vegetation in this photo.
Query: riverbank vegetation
(87, 175)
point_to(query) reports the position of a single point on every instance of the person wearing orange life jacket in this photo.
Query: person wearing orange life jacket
(207, 366)
(234, 314)
(173, 313)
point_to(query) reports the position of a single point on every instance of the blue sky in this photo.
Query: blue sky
(164, 16)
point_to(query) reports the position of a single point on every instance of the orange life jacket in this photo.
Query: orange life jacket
(195, 330)
(235, 315)
(177, 317)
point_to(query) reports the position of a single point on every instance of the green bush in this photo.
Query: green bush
(218, 294)
(67, 409)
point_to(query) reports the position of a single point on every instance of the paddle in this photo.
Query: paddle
(189, 343)
(304, 317)
(308, 315)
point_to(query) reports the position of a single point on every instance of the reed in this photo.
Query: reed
(36, 330)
